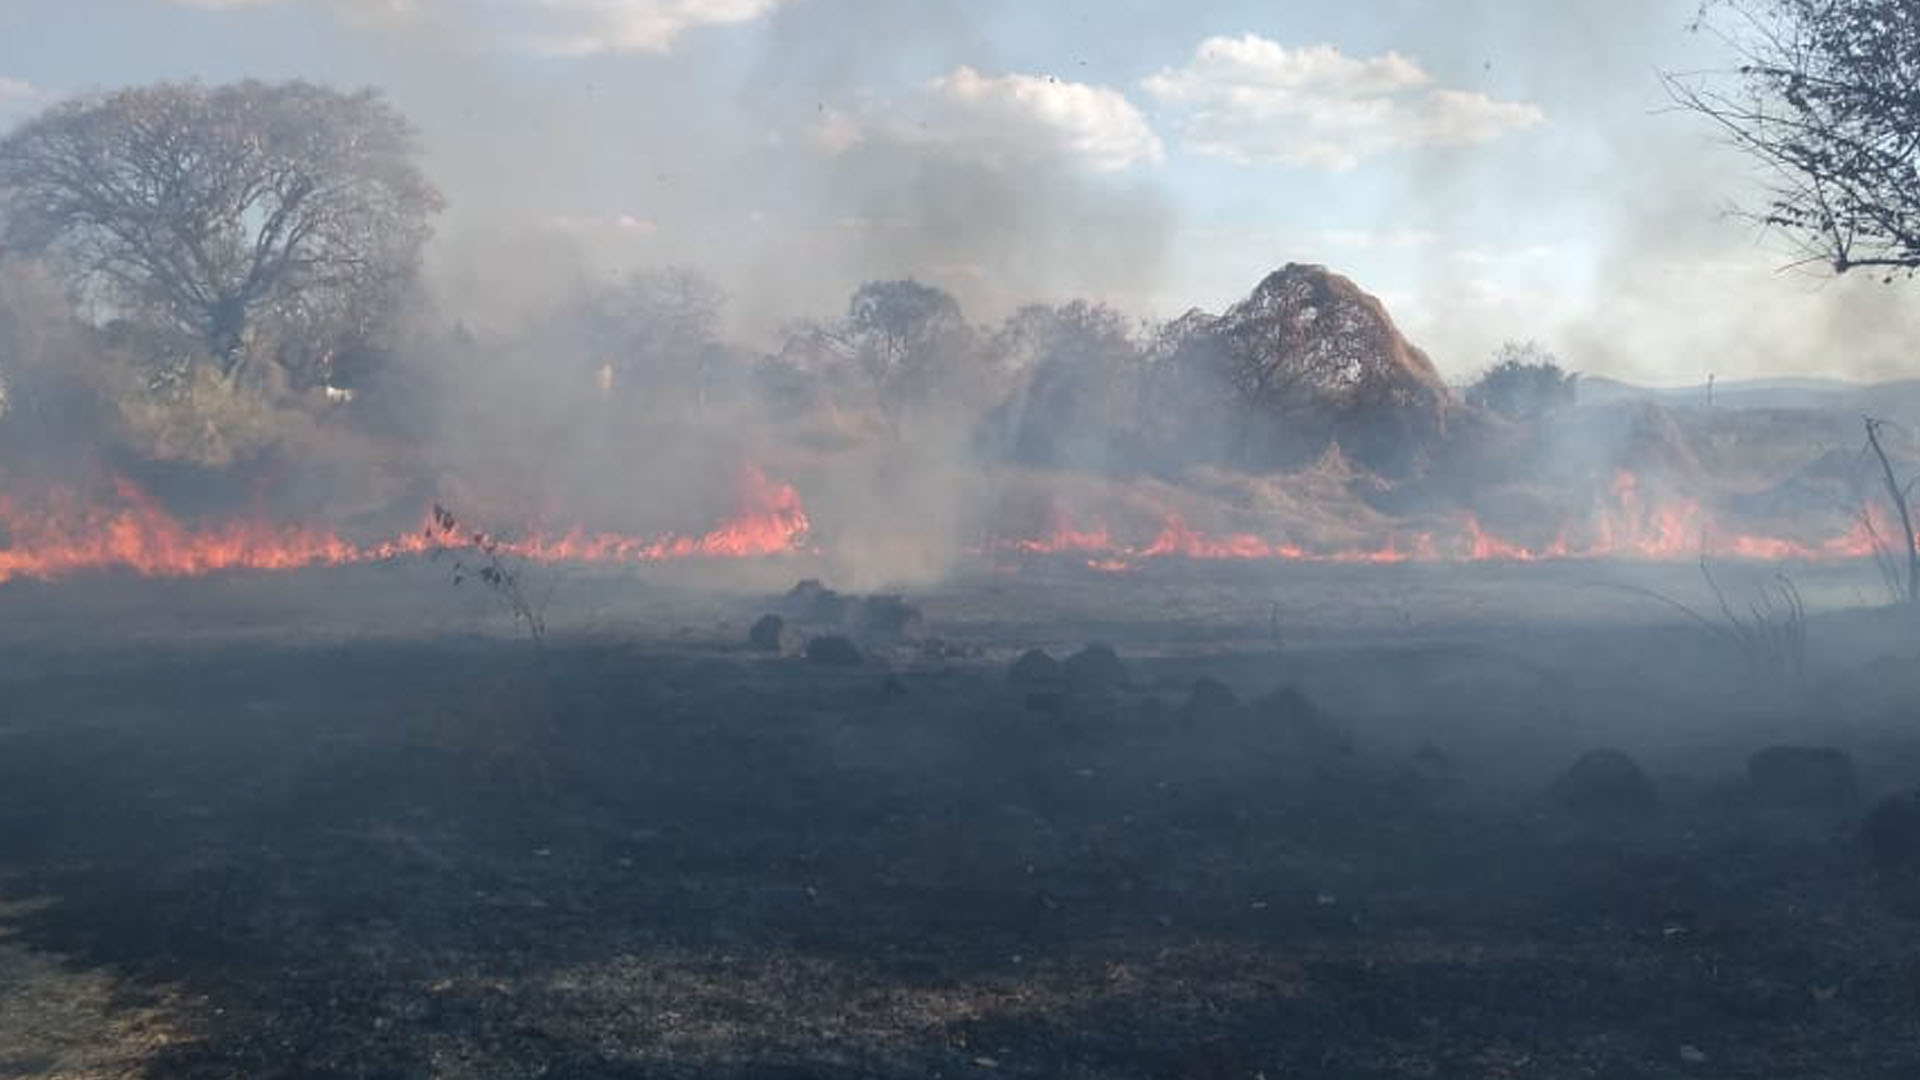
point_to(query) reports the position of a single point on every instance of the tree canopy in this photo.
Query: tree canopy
(1525, 381)
(1827, 97)
(223, 212)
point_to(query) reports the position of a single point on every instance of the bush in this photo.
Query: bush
(1524, 383)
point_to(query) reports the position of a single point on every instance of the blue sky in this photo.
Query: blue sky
(1492, 168)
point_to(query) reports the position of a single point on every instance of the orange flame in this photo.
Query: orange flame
(1623, 525)
(59, 534)
(63, 534)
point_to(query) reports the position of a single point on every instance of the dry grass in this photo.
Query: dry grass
(57, 1023)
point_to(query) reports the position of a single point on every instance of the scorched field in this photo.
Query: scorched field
(1243, 819)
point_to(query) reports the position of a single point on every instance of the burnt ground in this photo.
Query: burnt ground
(245, 832)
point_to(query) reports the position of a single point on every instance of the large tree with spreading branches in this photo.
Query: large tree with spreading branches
(229, 214)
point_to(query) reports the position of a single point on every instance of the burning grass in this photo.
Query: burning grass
(58, 534)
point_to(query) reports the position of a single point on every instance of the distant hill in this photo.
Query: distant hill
(1895, 399)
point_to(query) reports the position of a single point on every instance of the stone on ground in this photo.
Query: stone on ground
(1605, 782)
(834, 650)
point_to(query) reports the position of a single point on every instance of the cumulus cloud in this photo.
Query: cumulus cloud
(1005, 120)
(1252, 100)
(551, 27)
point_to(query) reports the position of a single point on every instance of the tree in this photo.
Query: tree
(654, 331)
(1076, 367)
(1309, 359)
(222, 212)
(1827, 97)
(59, 379)
(908, 338)
(1525, 382)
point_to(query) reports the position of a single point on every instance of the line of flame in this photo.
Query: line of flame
(1626, 527)
(61, 535)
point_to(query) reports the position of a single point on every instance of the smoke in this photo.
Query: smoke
(1620, 233)
(1504, 177)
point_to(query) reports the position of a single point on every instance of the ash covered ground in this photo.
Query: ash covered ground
(1318, 821)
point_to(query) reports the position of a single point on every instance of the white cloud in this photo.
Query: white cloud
(1252, 100)
(1006, 119)
(550, 27)
(579, 27)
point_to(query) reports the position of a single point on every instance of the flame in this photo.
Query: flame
(61, 534)
(1624, 524)
(771, 521)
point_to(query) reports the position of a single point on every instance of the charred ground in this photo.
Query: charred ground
(294, 846)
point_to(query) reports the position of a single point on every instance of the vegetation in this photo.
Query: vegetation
(1075, 370)
(236, 220)
(1524, 383)
(478, 555)
(1897, 494)
(1769, 635)
(1827, 97)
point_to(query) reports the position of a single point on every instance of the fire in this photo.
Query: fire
(1625, 524)
(771, 521)
(61, 534)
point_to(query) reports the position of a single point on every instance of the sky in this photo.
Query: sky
(1493, 169)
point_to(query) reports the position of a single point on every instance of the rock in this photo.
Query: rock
(834, 650)
(1293, 712)
(1209, 698)
(810, 601)
(1604, 782)
(1803, 776)
(887, 618)
(1095, 665)
(771, 633)
(1035, 668)
(1891, 833)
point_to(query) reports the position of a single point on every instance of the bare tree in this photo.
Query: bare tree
(214, 211)
(1897, 493)
(1827, 97)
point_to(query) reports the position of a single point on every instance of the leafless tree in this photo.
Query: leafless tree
(1898, 493)
(1827, 97)
(219, 212)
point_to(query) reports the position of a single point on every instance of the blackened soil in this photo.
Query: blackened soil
(479, 859)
